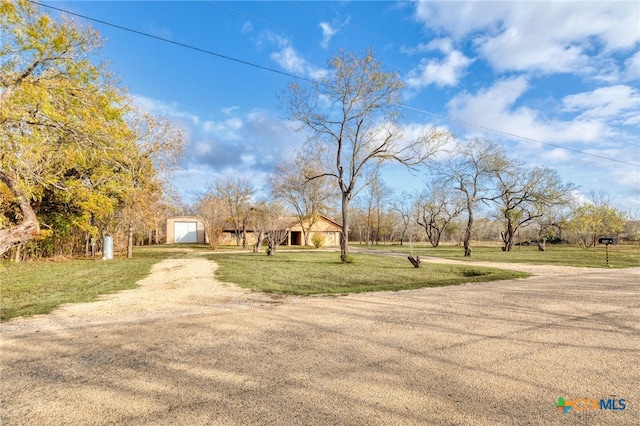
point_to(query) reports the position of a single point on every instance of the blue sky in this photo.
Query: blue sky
(555, 83)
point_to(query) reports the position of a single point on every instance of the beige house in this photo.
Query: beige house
(190, 229)
(328, 229)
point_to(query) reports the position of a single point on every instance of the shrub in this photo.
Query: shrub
(317, 240)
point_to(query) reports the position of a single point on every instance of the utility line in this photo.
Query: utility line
(297, 77)
(513, 135)
(166, 40)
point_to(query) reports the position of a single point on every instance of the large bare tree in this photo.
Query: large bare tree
(353, 116)
(470, 168)
(525, 194)
(437, 207)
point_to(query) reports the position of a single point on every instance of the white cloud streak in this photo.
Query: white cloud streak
(444, 72)
(531, 36)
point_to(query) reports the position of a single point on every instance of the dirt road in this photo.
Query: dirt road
(185, 349)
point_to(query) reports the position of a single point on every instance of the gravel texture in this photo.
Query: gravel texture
(185, 349)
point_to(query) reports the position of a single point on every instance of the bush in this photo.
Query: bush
(317, 240)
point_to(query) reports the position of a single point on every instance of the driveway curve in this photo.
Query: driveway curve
(186, 349)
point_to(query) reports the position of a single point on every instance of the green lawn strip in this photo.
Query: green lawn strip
(31, 288)
(323, 273)
(620, 255)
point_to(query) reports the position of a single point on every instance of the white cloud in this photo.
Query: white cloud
(227, 129)
(494, 108)
(290, 60)
(444, 72)
(537, 36)
(256, 139)
(327, 33)
(330, 30)
(247, 27)
(632, 64)
(605, 102)
(166, 109)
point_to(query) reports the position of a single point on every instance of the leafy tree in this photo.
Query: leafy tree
(63, 131)
(594, 219)
(353, 114)
(155, 148)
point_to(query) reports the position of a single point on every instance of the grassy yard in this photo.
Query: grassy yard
(31, 288)
(39, 287)
(323, 273)
(620, 255)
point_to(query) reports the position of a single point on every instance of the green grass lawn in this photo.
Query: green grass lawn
(31, 288)
(323, 273)
(39, 287)
(620, 255)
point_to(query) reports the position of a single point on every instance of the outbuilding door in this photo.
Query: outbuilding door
(186, 232)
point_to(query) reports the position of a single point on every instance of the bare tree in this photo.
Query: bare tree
(469, 169)
(403, 204)
(372, 199)
(237, 193)
(437, 207)
(214, 213)
(353, 115)
(524, 194)
(307, 198)
(269, 219)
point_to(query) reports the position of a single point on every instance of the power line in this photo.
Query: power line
(370, 34)
(166, 40)
(513, 135)
(187, 46)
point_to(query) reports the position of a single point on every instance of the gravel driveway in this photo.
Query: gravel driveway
(185, 349)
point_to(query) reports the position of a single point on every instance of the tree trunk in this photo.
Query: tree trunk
(18, 256)
(28, 228)
(244, 235)
(129, 241)
(542, 244)
(507, 237)
(415, 261)
(344, 235)
(467, 232)
(259, 242)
